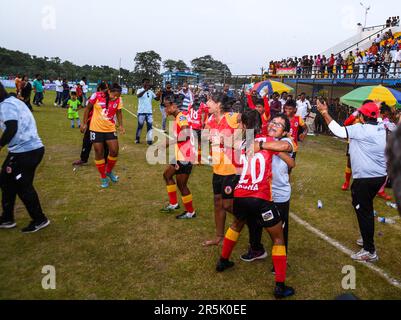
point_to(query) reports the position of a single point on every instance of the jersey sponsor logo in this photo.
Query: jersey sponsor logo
(268, 216)
(228, 190)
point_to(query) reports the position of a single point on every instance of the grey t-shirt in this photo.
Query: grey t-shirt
(281, 187)
(26, 139)
(367, 150)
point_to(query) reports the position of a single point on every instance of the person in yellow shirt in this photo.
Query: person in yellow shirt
(222, 125)
(106, 105)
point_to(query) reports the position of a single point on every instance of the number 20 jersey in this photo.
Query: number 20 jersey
(256, 178)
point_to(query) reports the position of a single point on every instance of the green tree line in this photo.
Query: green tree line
(147, 65)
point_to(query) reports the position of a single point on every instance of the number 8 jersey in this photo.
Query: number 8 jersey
(256, 178)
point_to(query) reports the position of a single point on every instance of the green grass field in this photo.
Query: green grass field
(114, 244)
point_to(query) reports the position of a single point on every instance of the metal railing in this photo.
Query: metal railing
(356, 45)
(356, 72)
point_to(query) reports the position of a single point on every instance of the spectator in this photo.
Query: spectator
(59, 92)
(188, 96)
(38, 88)
(339, 65)
(275, 105)
(66, 93)
(303, 106)
(145, 111)
(84, 87)
(18, 80)
(330, 65)
(167, 92)
(26, 90)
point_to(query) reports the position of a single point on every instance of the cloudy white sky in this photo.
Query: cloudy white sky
(245, 34)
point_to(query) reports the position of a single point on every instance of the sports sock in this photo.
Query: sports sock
(229, 243)
(101, 167)
(78, 122)
(348, 174)
(72, 123)
(111, 162)
(172, 194)
(187, 200)
(279, 256)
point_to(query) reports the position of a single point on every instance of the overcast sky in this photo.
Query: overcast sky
(245, 34)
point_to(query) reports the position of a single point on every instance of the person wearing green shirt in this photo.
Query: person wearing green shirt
(38, 88)
(73, 106)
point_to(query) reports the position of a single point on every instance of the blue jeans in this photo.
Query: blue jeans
(164, 118)
(142, 117)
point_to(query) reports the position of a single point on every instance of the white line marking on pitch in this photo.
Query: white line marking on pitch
(345, 250)
(326, 238)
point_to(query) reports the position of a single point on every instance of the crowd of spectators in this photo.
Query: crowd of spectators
(381, 60)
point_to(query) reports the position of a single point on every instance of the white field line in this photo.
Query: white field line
(346, 251)
(326, 238)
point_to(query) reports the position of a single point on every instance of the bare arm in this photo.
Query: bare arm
(120, 121)
(88, 109)
(275, 146)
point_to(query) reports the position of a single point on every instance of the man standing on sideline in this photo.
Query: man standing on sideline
(84, 87)
(188, 97)
(59, 92)
(303, 106)
(26, 151)
(167, 92)
(145, 111)
(367, 151)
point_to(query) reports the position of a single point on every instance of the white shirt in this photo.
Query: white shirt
(397, 56)
(84, 86)
(59, 86)
(367, 150)
(303, 108)
(145, 102)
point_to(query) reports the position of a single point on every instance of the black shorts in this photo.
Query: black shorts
(101, 137)
(225, 185)
(183, 167)
(265, 212)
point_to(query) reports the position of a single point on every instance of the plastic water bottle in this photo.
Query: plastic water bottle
(392, 205)
(385, 220)
(320, 204)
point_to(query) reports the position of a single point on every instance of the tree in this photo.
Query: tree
(169, 65)
(147, 65)
(181, 66)
(210, 67)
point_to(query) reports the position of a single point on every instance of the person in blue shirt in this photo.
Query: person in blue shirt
(145, 111)
(17, 173)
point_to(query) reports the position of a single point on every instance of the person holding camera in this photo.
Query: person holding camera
(367, 152)
(145, 111)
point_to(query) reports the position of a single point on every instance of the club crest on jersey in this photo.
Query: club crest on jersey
(268, 216)
(183, 118)
(228, 190)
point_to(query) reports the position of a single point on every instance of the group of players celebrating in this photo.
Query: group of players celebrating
(252, 152)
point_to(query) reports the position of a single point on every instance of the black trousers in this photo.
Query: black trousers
(16, 178)
(363, 193)
(87, 146)
(256, 231)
